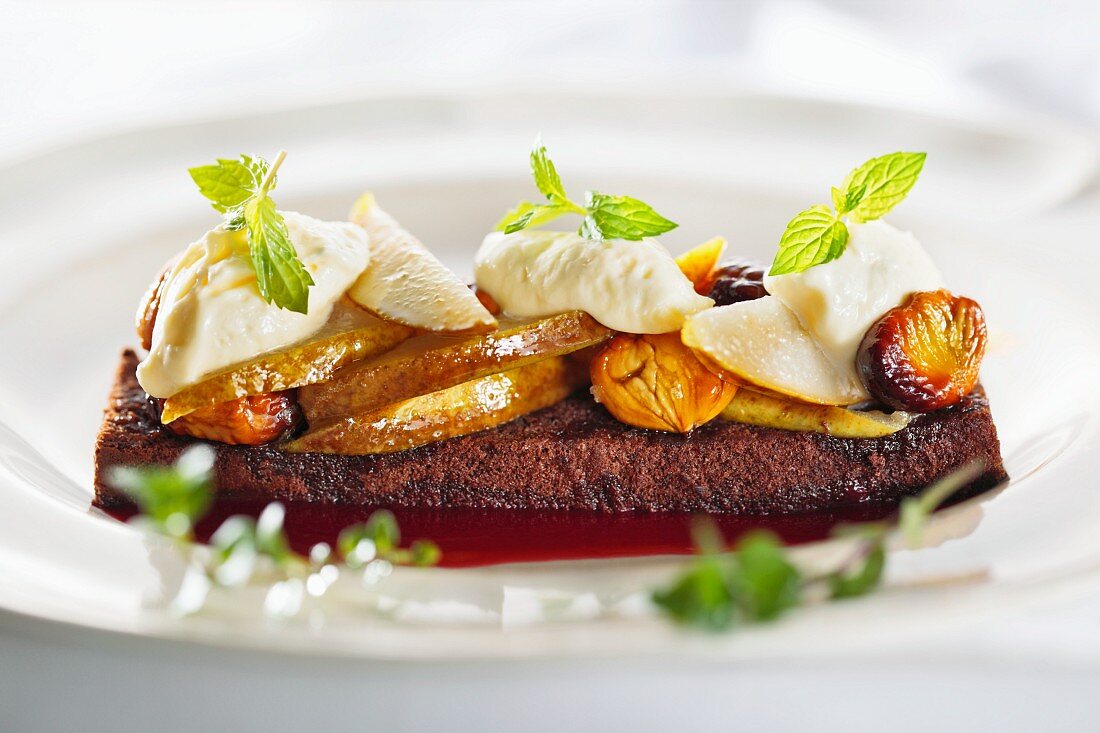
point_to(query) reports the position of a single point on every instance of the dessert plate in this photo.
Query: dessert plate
(82, 228)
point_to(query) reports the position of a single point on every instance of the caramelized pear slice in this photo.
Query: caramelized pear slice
(431, 362)
(762, 343)
(349, 334)
(465, 408)
(406, 283)
(771, 411)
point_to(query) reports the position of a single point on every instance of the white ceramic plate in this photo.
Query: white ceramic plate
(82, 229)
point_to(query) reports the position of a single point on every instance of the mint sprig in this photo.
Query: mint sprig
(605, 216)
(819, 234)
(239, 189)
(758, 582)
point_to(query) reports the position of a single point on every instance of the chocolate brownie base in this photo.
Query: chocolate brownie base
(574, 455)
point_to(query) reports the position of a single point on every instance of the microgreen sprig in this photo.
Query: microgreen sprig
(239, 189)
(605, 216)
(172, 499)
(755, 582)
(819, 234)
(758, 582)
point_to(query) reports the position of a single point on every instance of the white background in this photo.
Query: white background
(68, 71)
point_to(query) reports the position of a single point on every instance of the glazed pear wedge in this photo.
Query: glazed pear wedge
(406, 283)
(431, 362)
(772, 411)
(349, 334)
(761, 342)
(465, 408)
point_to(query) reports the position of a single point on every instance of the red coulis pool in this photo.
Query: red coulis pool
(470, 537)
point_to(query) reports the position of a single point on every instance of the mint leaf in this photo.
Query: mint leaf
(229, 183)
(280, 275)
(527, 214)
(621, 217)
(845, 201)
(839, 200)
(605, 217)
(766, 581)
(239, 189)
(812, 237)
(546, 176)
(877, 186)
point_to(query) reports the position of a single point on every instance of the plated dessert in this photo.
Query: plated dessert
(584, 369)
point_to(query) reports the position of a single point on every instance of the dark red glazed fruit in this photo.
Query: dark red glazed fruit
(925, 354)
(738, 281)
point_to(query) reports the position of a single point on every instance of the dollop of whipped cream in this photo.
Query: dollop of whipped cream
(838, 302)
(634, 287)
(212, 315)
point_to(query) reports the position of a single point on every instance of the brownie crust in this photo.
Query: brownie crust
(574, 455)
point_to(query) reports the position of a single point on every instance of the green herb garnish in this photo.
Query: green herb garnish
(172, 499)
(819, 235)
(239, 190)
(758, 582)
(605, 216)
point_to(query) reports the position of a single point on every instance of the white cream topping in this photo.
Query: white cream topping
(212, 316)
(838, 302)
(634, 287)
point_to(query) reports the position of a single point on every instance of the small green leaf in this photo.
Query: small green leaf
(229, 183)
(521, 210)
(425, 552)
(527, 214)
(271, 538)
(621, 217)
(844, 202)
(173, 498)
(546, 176)
(853, 197)
(766, 581)
(280, 275)
(812, 237)
(877, 186)
(863, 579)
(382, 529)
(234, 534)
(701, 596)
(838, 200)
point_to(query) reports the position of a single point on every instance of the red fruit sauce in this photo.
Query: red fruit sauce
(472, 537)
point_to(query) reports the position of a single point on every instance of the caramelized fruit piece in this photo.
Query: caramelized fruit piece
(150, 305)
(924, 355)
(655, 382)
(737, 281)
(466, 408)
(406, 283)
(698, 264)
(349, 335)
(772, 411)
(432, 362)
(486, 300)
(251, 420)
(761, 342)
